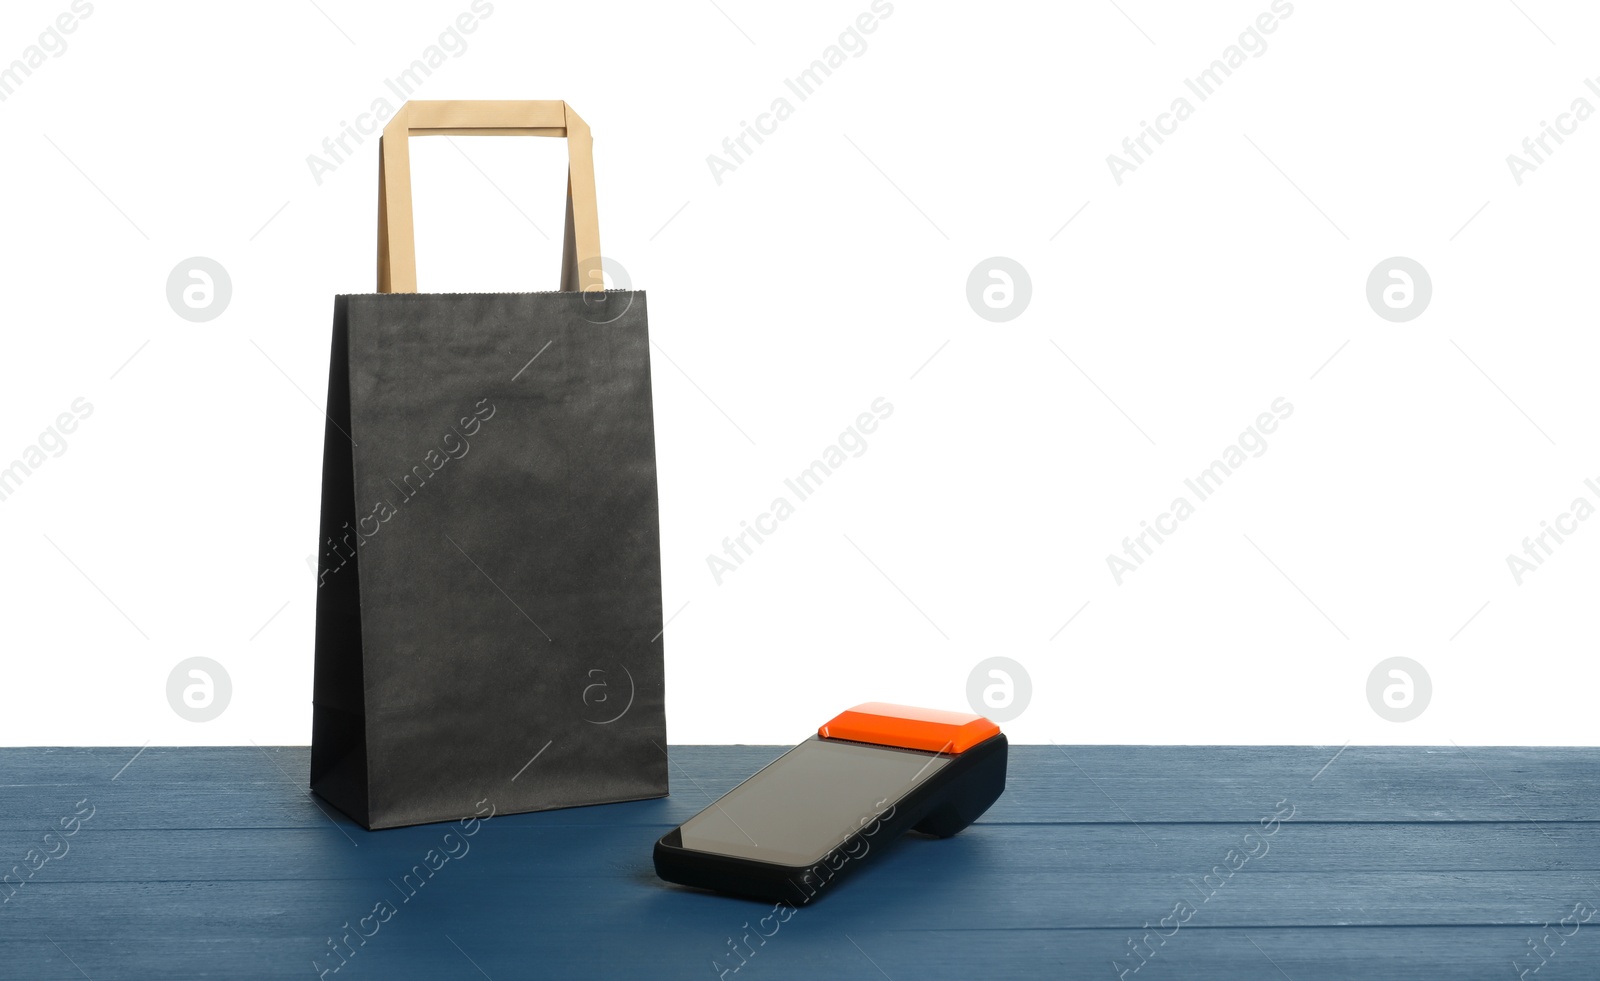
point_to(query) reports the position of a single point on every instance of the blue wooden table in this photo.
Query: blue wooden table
(1191, 863)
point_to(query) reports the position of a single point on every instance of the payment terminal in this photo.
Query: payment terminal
(823, 809)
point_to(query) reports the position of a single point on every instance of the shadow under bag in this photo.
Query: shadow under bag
(489, 594)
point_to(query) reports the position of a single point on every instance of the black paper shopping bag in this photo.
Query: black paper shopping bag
(489, 600)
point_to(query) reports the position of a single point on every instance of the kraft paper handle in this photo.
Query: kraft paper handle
(397, 249)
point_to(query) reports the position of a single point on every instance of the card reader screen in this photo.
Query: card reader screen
(808, 801)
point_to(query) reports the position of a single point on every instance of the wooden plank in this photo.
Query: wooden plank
(1398, 863)
(805, 948)
(903, 891)
(542, 850)
(244, 786)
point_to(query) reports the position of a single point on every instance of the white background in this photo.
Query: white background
(820, 275)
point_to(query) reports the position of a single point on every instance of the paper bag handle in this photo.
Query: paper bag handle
(397, 250)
